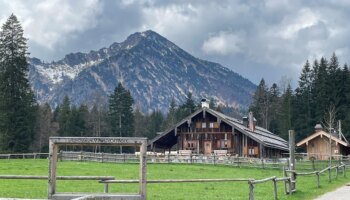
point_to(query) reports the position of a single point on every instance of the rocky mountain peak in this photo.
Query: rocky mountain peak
(153, 68)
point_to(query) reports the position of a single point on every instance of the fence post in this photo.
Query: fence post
(251, 190)
(238, 161)
(336, 172)
(318, 179)
(274, 188)
(344, 170)
(313, 164)
(329, 175)
(124, 155)
(105, 188)
(262, 163)
(214, 159)
(285, 182)
(102, 157)
(292, 159)
(290, 186)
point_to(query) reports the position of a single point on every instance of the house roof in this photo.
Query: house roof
(260, 135)
(321, 134)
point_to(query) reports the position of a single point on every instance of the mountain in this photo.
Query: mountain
(154, 69)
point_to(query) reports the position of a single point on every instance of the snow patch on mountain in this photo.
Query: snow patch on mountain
(57, 72)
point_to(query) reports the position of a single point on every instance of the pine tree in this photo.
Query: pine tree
(320, 89)
(17, 103)
(303, 102)
(187, 108)
(120, 112)
(171, 117)
(64, 116)
(286, 112)
(260, 105)
(154, 124)
(140, 123)
(333, 79)
(45, 128)
(274, 101)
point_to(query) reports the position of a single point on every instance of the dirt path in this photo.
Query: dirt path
(342, 193)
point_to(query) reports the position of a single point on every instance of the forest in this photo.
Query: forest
(323, 86)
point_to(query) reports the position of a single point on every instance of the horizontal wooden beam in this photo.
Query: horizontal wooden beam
(263, 180)
(115, 141)
(179, 180)
(58, 177)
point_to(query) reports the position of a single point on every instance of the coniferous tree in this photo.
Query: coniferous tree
(320, 90)
(260, 104)
(170, 120)
(120, 112)
(45, 128)
(140, 122)
(274, 102)
(154, 124)
(302, 115)
(333, 79)
(286, 112)
(64, 116)
(17, 103)
(187, 108)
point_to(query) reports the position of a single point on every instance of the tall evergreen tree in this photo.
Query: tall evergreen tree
(303, 102)
(274, 101)
(260, 105)
(187, 108)
(154, 124)
(17, 103)
(120, 112)
(44, 129)
(64, 116)
(286, 112)
(170, 120)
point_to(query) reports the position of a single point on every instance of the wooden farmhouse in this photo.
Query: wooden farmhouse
(207, 131)
(317, 144)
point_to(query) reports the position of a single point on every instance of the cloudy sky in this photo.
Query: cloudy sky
(258, 39)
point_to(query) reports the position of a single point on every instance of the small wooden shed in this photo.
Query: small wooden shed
(317, 145)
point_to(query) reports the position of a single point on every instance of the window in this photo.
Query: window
(223, 144)
(204, 125)
(211, 125)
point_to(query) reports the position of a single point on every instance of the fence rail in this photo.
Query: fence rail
(33, 177)
(304, 165)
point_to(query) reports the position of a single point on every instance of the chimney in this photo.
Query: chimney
(318, 128)
(251, 121)
(205, 103)
(245, 121)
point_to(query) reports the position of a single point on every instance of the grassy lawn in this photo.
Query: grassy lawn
(306, 186)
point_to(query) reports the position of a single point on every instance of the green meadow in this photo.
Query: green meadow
(306, 185)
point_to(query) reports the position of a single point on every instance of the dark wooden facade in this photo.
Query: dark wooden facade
(207, 131)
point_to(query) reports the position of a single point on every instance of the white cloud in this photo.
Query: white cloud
(293, 24)
(224, 43)
(248, 36)
(49, 23)
(169, 18)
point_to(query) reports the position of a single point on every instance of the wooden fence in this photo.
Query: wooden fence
(24, 156)
(106, 180)
(304, 165)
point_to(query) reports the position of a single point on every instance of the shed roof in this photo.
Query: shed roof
(260, 135)
(321, 134)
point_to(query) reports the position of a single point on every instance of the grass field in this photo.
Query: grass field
(306, 186)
